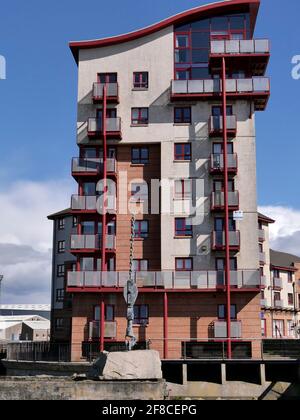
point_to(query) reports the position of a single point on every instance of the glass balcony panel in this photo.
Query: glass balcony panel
(247, 46)
(179, 86)
(195, 86)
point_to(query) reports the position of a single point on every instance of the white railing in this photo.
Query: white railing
(92, 203)
(214, 86)
(217, 161)
(92, 165)
(278, 304)
(263, 303)
(218, 198)
(277, 283)
(219, 239)
(263, 281)
(112, 125)
(111, 90)
(236, 46)
(220, 329)
(216, 123)
(261, 235)
(80, 242)
(165, 280)
(262, 257)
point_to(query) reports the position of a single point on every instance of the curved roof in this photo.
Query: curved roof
(228, 6)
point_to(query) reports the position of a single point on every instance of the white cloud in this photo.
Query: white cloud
(26, 238)
(285, 233)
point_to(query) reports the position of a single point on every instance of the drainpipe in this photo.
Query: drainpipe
(166, 326)
(227, 243)
(103, 242)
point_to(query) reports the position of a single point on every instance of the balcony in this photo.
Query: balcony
(263, 303)
(91, 243)
(92, 204)
(110, 330)
(253, 53)
(255, 88)
(215, 126)
(262, 258)
(218, 241)
(261, 235)
(220, 329)
(112, 92)
(217, 201)
(278, 304)
(263, 282)
(217, 163)
(113, 128)
(166, 280)
(277, 283)
(90, 167)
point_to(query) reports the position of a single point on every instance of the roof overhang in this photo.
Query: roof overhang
(290, 269)
(218, 8)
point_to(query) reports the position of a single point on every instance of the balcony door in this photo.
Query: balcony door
(220, 267)
(110, 113)
(107, 78)
(220, 228)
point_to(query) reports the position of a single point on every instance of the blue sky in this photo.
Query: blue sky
(38, 99)
(38, 123)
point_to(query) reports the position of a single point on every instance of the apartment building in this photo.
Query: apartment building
(280, 288)
(64, 225)
(166, 131)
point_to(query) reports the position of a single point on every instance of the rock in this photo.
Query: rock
(133, 365)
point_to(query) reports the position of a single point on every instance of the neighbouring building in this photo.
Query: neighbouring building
(151, 106)
(24, 328)
(64, 225)
(35, 309)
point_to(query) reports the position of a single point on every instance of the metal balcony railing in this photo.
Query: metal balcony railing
(277, 283)
(110, 330)
(113, 125)
(263, 303)
(242, 279)
(218, 239)
(214, 86)
(261, 235)
(236, 46)
(263, 281)
(218, 197)
(92, 165)
(91, 203)
(91, 242)
(217, 162)
(112, 90)
(278, 304)
(216, 124)
(262, 257)
(220, 329)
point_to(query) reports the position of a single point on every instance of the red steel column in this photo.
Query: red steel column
(227, 243)
(166, 326)
(103, 242)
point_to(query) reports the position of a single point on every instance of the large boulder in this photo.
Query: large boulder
(132, 365)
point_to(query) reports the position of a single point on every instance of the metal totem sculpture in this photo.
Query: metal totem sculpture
(131, 294)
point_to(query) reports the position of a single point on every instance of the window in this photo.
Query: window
(141, 80)
(60, 270)
(109, 313)
(139, 155)
(59, 324)
(139, 192)
(139, 116)
(263, 327)
(61, 247)
(290, 277)
(89, 188)
(75, 221)
(222, 312)
(61, 223)
(291, 299)
(221, 262)
(141, 315)
(183, 189)
(60, 295)
(278, 328)
(183, 151)
(141, 229)
(183, 115)
(140, 265)
(183, 227)
(107, 77)
(184, 264)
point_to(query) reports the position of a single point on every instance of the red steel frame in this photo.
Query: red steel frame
(227, 243)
